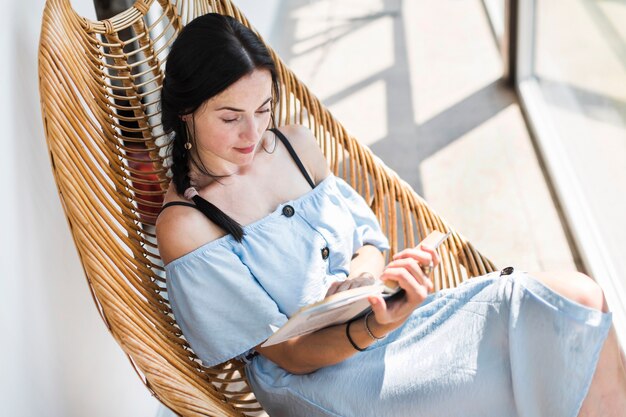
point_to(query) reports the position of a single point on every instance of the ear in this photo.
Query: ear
(186, 117)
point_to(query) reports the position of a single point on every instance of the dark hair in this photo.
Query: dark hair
(211, 53)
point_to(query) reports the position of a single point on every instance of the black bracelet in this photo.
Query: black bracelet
(354, 345)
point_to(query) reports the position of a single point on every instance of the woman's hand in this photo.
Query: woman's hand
(423, 254)
(362, 280)
(406, 270)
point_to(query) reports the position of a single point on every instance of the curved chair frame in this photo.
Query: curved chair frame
(99, 85)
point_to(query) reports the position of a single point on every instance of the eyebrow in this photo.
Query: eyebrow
(240, 110)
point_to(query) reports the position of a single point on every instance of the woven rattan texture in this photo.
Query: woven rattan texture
(99, 86)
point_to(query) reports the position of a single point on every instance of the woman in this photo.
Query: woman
(506, 344)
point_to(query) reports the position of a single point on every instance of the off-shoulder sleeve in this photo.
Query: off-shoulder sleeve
(368, 230)
(219, 305)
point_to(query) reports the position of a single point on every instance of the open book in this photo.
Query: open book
(340, 307)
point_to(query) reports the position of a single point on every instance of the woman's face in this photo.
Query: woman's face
(229, 126)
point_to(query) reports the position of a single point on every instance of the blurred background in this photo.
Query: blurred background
(509, 117)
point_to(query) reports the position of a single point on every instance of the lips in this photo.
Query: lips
(245, 150)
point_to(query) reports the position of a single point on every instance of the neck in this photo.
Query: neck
(202, 172)
(205, 169)
(200, 179)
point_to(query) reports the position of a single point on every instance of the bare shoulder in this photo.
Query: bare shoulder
(305, 145)
(301, 137)
(181, 229)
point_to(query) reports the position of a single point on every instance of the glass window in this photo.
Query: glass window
(580, 66)
(570, 61)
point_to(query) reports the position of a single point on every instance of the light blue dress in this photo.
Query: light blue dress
(496, 346)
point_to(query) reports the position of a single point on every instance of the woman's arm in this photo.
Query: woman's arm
(367, 259)
(329, 346)
(366, 266)
(325, 347)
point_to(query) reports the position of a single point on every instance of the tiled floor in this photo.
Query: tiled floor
(419, 83)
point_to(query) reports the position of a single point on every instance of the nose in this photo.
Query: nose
(250, 129)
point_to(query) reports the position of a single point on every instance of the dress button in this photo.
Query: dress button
(507, 271)
(325, 253)
(288, 211)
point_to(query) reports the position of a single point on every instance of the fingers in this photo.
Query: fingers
(379, 307)
(364, 278)
(339, 286)
(333, 288)
(423, 254)
(361, 280)
(416, 287)
(433, 253)
(412, 266)
(407, 273)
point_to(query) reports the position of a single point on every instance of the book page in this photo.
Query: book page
(309, 321)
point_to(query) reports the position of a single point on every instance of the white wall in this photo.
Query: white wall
(262, 14)
(57, 357)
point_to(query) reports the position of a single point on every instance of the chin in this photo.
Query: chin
(243, 160)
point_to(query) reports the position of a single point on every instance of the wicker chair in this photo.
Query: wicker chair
(99, 85)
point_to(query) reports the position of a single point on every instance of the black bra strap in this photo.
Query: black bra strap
(177, 203)
(293, 154)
